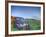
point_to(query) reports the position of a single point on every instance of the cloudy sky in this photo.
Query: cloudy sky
(26, 11)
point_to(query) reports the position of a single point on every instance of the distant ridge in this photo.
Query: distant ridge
(26, 18)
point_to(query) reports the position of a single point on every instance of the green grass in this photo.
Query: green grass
(35, 24)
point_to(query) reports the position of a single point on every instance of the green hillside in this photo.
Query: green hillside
(34, 24)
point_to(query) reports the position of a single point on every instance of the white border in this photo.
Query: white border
(19, 32)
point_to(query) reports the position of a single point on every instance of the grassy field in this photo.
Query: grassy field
(34, 24)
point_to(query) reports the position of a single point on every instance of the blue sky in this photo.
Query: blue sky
(26, 11)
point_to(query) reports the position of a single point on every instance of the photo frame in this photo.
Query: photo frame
(13, 11)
